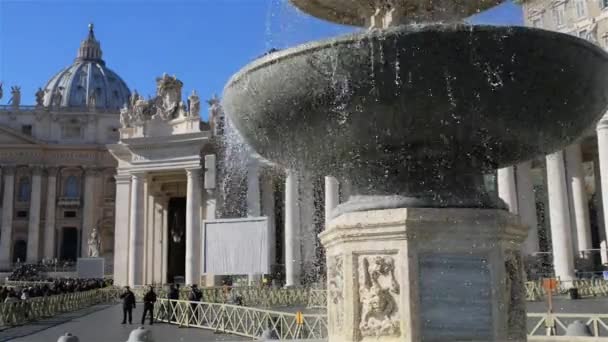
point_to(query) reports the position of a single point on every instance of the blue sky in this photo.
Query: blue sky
(202, 42)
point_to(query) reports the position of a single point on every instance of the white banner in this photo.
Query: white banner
(236, 246)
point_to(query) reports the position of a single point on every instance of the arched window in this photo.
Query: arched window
(24, 189)
(70, 189)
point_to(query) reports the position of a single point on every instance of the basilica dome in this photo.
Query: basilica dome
(87, 83)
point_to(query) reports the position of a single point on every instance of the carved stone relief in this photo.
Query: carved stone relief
(335, 291)
(515, 305)
(379, 297)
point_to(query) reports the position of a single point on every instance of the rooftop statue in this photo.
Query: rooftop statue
(15, 99)
(1, 91)
(194, 104)
(39, 97)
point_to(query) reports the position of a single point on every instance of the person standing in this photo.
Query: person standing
(128, 304)
(149, 300)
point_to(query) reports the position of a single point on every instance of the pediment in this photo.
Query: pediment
(9, 136)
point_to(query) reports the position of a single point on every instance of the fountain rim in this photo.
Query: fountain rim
(306, 48)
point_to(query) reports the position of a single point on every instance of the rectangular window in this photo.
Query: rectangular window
(558, 15)
(69, 214)
(26, 130)
(22, 214)
(71, 131)
(581, 8)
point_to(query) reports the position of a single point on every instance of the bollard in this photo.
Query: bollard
(578, 328)
(140, 334)
(68, 338)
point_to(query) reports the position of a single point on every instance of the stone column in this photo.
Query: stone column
(268, 211)
(136, 238)
(507, 188)
(253, 189)
(121, 229)
(527, 206)
(6, 236)
(580, 202)
(292, 230)
(160, 239)
(193, 237)
(33, 230)
(602, 147)
(332, 196)
(89, 209)
(599, 216)
(559, 211)
(49, 221)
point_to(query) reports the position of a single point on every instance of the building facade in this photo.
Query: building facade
(57, 176)
(145, 173)
(560, 197)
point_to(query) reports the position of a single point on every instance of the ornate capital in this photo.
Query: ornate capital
(193, 172)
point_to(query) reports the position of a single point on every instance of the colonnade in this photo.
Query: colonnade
(41, 238)
(568, 206)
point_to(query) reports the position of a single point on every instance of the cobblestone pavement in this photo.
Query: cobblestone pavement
(102, 324)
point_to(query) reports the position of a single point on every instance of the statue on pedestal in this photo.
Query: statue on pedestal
(94, 244)
(194, 104)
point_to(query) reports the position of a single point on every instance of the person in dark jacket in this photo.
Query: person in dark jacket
(173, 293)
(149, 300)
(128, 304)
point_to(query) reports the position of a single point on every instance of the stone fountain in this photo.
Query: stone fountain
(413, 115)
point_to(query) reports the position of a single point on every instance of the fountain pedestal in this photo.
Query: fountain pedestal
(425, 275)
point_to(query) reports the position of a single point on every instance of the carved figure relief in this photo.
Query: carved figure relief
(335, 288)
(379, 295)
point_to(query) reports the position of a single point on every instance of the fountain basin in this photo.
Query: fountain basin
(413, 115)
(357, 13)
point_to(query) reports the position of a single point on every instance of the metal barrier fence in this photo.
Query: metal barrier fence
(241, 320)
(252, 295)
(544, 324)
(585, 287)
(24, 311)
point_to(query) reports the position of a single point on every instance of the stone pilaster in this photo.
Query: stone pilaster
(526, 203)
(507, 187)
(136, 235)
(193, 237)
(602, 147)
(292, 230)
(6, 235)
(579, 202)
(253, 189)
(559, 211)
(122, 204)
(33, 231)
(49, 221)
(332, 196)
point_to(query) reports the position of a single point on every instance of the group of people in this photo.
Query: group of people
(128, 304)
(37, 272)
(10, 294)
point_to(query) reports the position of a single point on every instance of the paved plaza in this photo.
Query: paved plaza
(102, 324)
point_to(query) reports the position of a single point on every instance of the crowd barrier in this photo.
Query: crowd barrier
(24, 311)
(241, 320)
(585, 287)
